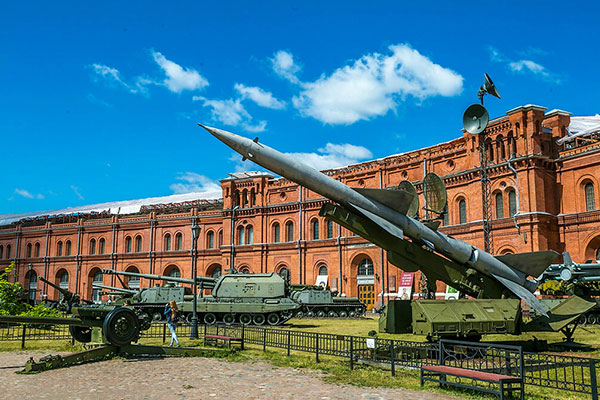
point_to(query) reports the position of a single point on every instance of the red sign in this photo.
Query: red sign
(406, 279)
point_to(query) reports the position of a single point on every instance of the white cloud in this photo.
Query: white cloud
(231, 112)
(334, 155)
(284, 65)
(373, 85)
(195, 183)
(178, 78)
(259, 96)
(113, 76)
(28, 195)
(75, 190)
(525, 66)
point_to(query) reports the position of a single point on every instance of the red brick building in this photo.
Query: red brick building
(544, 195)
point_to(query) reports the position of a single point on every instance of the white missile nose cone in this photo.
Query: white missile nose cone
(236, 142)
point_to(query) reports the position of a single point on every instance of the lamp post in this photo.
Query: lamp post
(195, 234)
(232, 257)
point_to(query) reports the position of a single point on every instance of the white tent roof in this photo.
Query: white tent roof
(115, 207)
(581, 126)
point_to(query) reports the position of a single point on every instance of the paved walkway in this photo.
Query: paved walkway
(180, 378)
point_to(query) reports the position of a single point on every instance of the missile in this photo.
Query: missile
(388, 208)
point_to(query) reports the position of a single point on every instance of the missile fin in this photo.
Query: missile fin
(386, 225)
(534, 263)
(433, 225)
(396, 199)
(523, 294)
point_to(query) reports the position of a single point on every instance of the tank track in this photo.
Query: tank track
(342, 311)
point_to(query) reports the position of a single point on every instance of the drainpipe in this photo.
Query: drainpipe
(300, 236)
(16, 257)
(77, 261)
(339, 246)
(44, 287)
(514, 217)
(151, 247)
(112, 252)
(381, 276)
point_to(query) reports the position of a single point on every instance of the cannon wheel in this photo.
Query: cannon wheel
(258, 319)
(82, 334)
(245, 319)
(299, 314)
(121, 326)
(273, 319)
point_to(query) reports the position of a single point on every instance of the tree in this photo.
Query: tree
(11, 294)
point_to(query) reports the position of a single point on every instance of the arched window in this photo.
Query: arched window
(276, 232)
(323, 270)
(220, 239)
(240, 235)
(365, 267)
(134, 281)
(93, 246)
(490, 150)
(63, 282)
(216, 272)
(289, 231)
(174, 272)
(8, 250)
(590, 202)
(598, 255)
(249, 234)
(97, 279)
(499, 205)
(210, 240)
(244, 198)
(167, 242)
(37, 250)
(59, 249)
(128, 244)
(500, 146)
(1, 252)
(102, 246)
(32, 285)
(315, 229)
(178, 241)
(285, 274)
(329, 229)
(462, 211)
(29, 250)
(138, 244)
(512, 144)
(244, 270)
(252, 197)
(68, 248)
(512, 203)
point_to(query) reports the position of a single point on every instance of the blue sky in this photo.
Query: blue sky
(100, 101)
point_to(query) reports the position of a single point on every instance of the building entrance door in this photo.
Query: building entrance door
(366, 294)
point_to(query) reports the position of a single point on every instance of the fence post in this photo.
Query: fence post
(164, 333)
(392, 355)
(289, 336)
(23, 336)
(264, 339)
(593, 380)
(317, 347)
(351, 354)
(242, 337)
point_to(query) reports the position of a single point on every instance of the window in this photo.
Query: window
(315, 229)
(329, 229)
(68, 248)
(244, 270)
(220, 239)
(93, 246)
(365, 267)
(178, 241)
(249, 234)
(244, 198)
(138, 244)
(210, 240)
(128, 244)
(499, 206)
(134, 281)
(8, 251)
(63, 282)
(512, 203)
(216, 272)
(323, 270)
(37, 250)
(289, 232)
(462, 211)
(28, 250)
(101, 247)
(167, 242)
(32, 285)
(96, 291)
(1, 252)
(590, 203)
(285, 274)
(276, 232)
(240, 235)
(59, 247)
(175, 273)
(446, 218)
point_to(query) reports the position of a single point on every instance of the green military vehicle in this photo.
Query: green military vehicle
(320, 302)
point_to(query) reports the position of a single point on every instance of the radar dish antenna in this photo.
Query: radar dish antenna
(435, 193)
(413, 209)
(475, 119)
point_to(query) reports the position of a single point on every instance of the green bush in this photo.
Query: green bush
(13, 299)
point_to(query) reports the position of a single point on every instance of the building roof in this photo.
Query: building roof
(115, 207)
(581, 127)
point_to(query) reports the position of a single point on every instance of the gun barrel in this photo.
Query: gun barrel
(114, 289)
(207, 282)
(68, 295)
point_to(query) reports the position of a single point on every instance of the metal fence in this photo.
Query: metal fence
(575, 374)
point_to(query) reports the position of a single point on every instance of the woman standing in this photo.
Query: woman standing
(172, 313)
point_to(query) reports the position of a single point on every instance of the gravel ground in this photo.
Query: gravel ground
(180, 378)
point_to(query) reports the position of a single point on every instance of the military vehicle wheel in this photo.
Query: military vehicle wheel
(299, 314)
(343, 314)
(273, 319)
(82, 334)
(320, 314)
(228, 319)
(210, 319)
(359, 312)
(258, 319)
(245, 319)
(352, 314)
(310, 314)
(592, 319)
(332, 314)
(156, 316)
(121, 326)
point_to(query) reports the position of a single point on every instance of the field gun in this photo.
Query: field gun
(68, 299)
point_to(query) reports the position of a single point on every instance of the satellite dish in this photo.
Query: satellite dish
(489, 87)
(435, 193)
(475, 119)
(413, 209)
